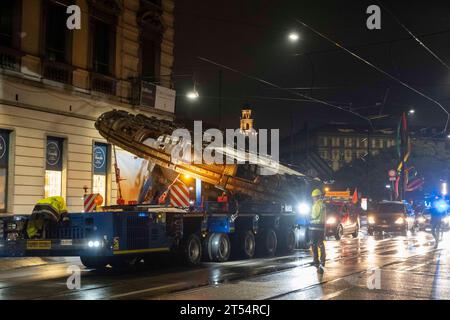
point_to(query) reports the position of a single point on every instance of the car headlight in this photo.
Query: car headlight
(331, 220)
(371, 220)
(421, 220)
(446, 220)
(94, 244)
(400, 221)
(303, 208)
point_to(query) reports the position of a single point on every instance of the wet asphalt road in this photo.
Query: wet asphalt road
(381, 267)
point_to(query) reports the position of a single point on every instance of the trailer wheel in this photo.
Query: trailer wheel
(192, 250)
(243, 245)
(218, 247)
(302, 237)
(94, 262)
(267, 243)
(288, 241)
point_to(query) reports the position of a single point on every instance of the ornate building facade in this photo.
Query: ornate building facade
(55, 82)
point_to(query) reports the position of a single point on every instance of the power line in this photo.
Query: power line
(378, 69)
(283, 89)
(414, 37)
(377, 43)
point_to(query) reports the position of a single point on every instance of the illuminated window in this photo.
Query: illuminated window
(4, 150)
(53, 169)
(100, 161)
(53, 183)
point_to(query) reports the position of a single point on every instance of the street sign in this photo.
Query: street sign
(337, 194)
(392, 173)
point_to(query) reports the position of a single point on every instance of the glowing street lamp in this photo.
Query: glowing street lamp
(412, 111)
(192, 95)
(293, 36)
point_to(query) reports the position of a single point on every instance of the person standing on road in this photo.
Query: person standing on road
(438, 211)
(317, 229)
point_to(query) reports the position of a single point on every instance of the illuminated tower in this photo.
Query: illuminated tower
(247, 121)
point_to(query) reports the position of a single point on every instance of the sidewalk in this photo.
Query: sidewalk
(15, 263)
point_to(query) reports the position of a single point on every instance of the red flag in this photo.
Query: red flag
(355, 196)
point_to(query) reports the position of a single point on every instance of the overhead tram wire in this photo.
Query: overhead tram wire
(286, 90)
(379, 70)
(415, 37)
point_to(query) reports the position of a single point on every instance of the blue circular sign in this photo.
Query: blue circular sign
(99, 157)
(53, 153)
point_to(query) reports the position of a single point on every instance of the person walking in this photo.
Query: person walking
(317, 230)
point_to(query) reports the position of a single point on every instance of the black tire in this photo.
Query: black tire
(302, 238)
(266, 243)
(191, 250)
(287, 241)
(243, 245)
(356, 232)
(339, 232)
(218, 247)
(94, 262)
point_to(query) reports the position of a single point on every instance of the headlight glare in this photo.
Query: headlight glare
(400, 221)
(303, 208)
(331, 220)
(371, 220)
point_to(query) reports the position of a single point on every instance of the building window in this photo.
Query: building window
(103, 47)
(10, 22)
(324, 141)
(149, 60)
(56, 42)
(348, 142)
(57, 45)
(4, 154)
(54, 167)
(335, 142)
(100, 161)
(6, 23)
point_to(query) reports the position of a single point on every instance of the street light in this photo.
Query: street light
(192, 95)
(444, 188)
(412, 111)
(293, 36)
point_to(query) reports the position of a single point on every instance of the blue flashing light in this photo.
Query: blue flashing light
(142, 214)
(441, 205)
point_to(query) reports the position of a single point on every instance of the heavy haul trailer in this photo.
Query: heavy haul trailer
(118, 237)
(124, 235)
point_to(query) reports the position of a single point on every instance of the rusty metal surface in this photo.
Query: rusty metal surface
(129, 132)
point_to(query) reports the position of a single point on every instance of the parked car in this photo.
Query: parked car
(341, 219)
(391, 216)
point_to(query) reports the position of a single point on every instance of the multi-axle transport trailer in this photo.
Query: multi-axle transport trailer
(124, 235)
(264, 224)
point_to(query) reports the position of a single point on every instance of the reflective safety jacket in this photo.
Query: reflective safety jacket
(318, 213)
(45, 210)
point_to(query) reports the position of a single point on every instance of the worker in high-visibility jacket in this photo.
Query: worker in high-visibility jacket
(46, 212)
(317, 229)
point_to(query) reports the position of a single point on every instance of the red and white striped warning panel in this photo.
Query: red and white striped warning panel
(179, 195)
(89, 202)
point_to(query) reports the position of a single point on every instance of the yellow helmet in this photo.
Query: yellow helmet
(316, 193)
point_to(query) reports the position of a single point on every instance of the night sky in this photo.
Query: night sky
(251, 36)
